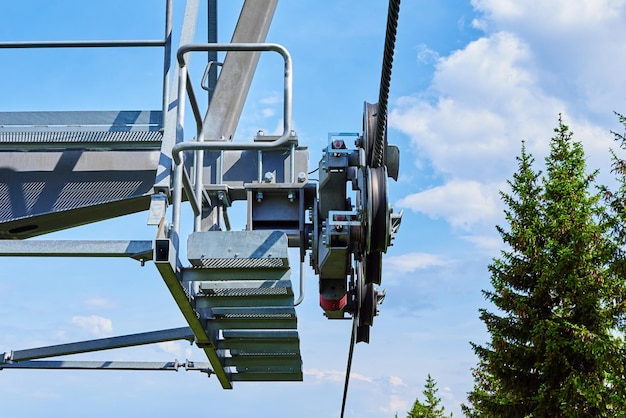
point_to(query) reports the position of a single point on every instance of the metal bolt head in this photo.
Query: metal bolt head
(301, 177)
(259, 197)
(269, 177)
(260, 132)
(291, 196)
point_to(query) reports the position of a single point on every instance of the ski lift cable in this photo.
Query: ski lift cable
(379, 145)
(385, 81)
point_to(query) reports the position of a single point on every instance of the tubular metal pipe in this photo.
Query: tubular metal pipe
(199, 187)
(302, 285)
(292, 163)
(167, 58)
(194, 106)
(178, 170)
(82, 44)
(287, 105)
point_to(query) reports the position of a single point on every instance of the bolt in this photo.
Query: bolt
(260, 132)
(259, 197)
(269, 177)
(220, 195)
(301, 177)
(291, 196)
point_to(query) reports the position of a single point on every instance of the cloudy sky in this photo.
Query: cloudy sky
(472, 79)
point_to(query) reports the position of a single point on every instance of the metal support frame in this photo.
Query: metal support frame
(110, 365)
(166, 261)
(138, 250)
(28, 359)
(248, 330)
(188, 30)
(144, 338)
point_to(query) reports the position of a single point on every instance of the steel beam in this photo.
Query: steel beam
(188, 30)
(110, 365)
(139, 250)
(238, 70)
(166, 261)
(132, 340)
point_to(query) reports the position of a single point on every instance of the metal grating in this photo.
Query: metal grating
(30, 193)
(51, 137)
(5, 202)
(242, 315)
(238, 263)
(246, 353)
(79, 194)
(262, 291)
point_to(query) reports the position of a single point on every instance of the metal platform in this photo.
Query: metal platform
(63, 169)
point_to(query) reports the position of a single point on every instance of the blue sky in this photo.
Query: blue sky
(471, 80)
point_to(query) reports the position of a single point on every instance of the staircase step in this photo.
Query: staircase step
(238, 249)
(266, 377)
(265, 364)
(255, 312)
(261, 334)
(260, 347)
(201, 274)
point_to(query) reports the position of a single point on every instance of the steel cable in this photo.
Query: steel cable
(379, 147)
(385, 81)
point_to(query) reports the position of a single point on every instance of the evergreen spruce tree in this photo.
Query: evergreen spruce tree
(431, 407)
(553, 350)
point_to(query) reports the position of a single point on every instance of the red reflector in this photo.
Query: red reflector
(339, 144)
(333, 304)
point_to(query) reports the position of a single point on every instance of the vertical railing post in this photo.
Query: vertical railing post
(167, 59)
(179, 166)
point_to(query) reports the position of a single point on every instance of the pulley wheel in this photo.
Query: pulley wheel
(377, 210)
(370, 113)
(368, 305)
(374, 267)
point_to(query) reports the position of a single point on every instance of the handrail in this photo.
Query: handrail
(199, 145)
(82, 44)
(215, 143)
(166, 43)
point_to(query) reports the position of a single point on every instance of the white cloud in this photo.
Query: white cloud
(483, 100)
(396, 381)
(425, 55)
(96, 325)
(177, 349)
(396, 404)
(272, 99)
(577, 44)
(559, 13)
(507, 86)
(407, 263)
(268, 112)
(462, 203)
(336, 376)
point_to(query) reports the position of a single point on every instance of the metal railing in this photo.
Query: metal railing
(181, 179)
(165, 43)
